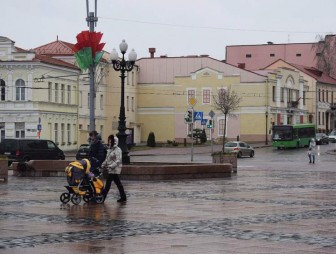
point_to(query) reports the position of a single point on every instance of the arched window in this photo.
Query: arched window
(20, 90)
(2, 90)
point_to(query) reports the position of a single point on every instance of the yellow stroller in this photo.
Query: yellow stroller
(82, 184)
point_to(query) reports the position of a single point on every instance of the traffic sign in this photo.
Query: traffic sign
(204, 121)
(211, 114)
(39, 127)
(192, 101)
(198, 115)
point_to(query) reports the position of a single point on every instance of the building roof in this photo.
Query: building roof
(56, 48)
(162, 70)
(318, 75)
(54, 61)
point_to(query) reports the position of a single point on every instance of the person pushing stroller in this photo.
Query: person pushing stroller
(112, 166)
(97, 152)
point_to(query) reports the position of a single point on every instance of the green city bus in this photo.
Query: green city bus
(292, 135)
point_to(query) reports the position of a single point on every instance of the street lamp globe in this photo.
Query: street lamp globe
(132, 56)
(114, 54)
(123, 47)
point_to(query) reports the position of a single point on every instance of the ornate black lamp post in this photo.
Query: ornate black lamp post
(123, 66)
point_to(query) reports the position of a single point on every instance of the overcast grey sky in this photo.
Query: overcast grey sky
(174, 27)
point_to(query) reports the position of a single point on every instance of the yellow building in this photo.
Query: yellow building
(319, 95)
(166, 85)
(31, 107)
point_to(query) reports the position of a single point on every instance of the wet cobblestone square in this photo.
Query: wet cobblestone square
(260, 210)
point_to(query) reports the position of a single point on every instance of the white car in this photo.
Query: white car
(332, 136)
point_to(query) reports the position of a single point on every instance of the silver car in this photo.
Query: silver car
(240, 148)
(332, 136)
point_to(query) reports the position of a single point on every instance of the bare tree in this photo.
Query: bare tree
(325, 56)
(226, 101)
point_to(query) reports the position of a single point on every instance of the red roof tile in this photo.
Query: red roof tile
(316, 74)
(53, 61)
(55, 48)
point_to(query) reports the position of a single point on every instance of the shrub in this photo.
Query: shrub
(151, 140)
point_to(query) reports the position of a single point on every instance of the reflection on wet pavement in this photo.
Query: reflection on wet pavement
(259, 210)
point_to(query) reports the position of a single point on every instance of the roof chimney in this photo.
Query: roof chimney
(151, 51)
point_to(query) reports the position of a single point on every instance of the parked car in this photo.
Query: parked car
(22, 150)
(332, 136)
(83, 152)
(239, 147)
(322, 139)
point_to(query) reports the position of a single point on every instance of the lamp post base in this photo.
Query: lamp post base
(123, 146)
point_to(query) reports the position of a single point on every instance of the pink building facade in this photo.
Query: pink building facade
(255, 57)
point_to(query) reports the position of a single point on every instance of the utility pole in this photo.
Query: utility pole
(92, 20)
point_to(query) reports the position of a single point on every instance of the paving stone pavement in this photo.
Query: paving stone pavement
(259, 210)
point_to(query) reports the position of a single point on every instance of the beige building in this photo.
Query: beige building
(268, 97)
(319, 94)
(107, 94)
(31, 107)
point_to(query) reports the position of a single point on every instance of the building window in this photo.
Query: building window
(69, 94)
(319, 95)
(62, 93)
(88, 99)
(322, 95)
(101, 102)
(273, 93)
(206, 96)
(101, 129)
(327, 96)
(56, 92)
(282, 93)
(74, 130)
(304, 98)
(298, 54)
(127, 103)
(20, 90)
(272, 55)
(80, 126)
(248, 55)
(191, 93)
(332, 97)
(62, 133)
(133, 78)
(221, 127)
(289, 95)
(80, 99)
(49, 91)
(56, 133)
(322, 118)
(319, 118)
(132, 104)
(19, 130)
(69, 133)
(3, 90)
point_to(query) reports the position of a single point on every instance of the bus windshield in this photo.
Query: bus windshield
(282, 133)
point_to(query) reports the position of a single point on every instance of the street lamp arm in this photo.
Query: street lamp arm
(120, 65)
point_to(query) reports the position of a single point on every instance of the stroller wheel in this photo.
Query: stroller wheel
(86, 198)
(76, 199)
(99, 199)
(65, 197)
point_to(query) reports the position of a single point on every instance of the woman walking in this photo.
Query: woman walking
(113, 165)
(312, 149)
